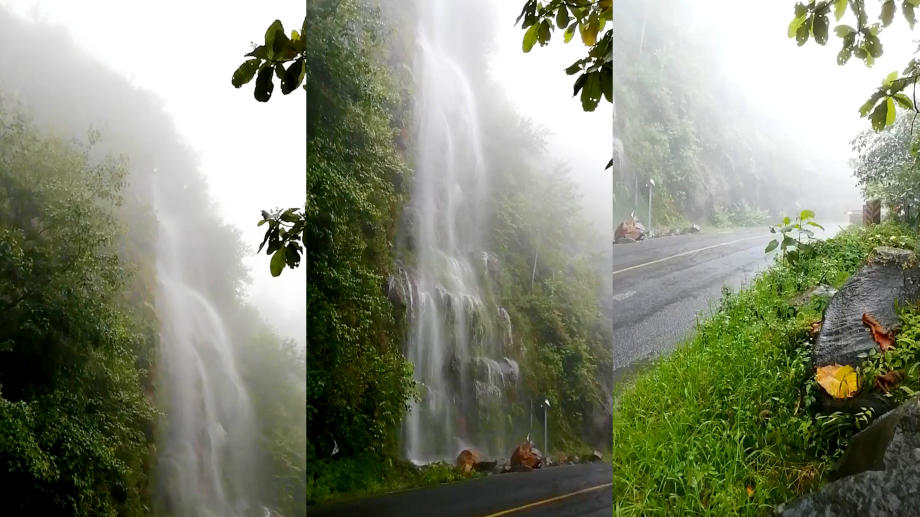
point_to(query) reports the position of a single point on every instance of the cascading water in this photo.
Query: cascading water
(459, 339)
(204, 465)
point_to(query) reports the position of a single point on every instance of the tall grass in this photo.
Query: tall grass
(726, 424)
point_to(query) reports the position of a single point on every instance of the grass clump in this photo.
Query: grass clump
(727, 424)
(368, 474)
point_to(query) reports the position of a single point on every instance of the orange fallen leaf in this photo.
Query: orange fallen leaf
(750, 491)
(881, 336)
(816, 328)
(887, 380)
(838, 381)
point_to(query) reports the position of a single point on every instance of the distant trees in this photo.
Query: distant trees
(887, 166)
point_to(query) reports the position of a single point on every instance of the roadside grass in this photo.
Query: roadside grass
(336, 480)
(349, 478)
(726, 424)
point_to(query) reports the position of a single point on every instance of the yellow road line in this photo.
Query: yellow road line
(550, 500)
(685, 253)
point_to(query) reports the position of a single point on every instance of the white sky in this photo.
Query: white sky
(803, 87)
(540, 90)
(251, 153)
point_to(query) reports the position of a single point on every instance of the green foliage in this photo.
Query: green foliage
(284, 236)
(564, 338)
(358, 382)
(268, 62)
(888, 168)
(739, 214)
(367, 474)
(589, 18)
(274, 373)
(904, 357)
(792, 248)
(734, 406)
(863, 41)
(75, 424)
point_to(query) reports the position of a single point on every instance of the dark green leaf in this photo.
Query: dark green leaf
(264, 84)
(569, 32)
(545, 33)
(562, 17)
(277, 263)
(607, 83)
(579, 83)
(801, 34)
(887, 13)
(843, 56)
(771, 246)
(293, 76)
(909, 13)
(530, 37)
(245, 72)
(260, 52)
(903, 101)
(819, 29)
(274, 30)
(843, 30)
(879, 116)
(873, 46)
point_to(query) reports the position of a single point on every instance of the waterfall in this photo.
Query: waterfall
(459, 339)
(204, 465)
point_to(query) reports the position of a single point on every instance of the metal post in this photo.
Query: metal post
(651, 183)
(545, 435)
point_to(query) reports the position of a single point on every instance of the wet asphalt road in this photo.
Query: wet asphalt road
(581, 490)
(662, 285)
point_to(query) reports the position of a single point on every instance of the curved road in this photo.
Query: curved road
(564, 491)
(662, 285)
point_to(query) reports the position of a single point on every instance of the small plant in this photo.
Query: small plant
(794, 249)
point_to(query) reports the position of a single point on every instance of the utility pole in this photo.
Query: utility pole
(651, 183)
(545, 430)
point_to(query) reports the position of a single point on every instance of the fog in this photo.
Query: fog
(804, 104)
(539, 89)
(202, 160)
(183, 54)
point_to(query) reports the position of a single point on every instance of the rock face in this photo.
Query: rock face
(525, 457)
(467, 461)
(878, 475)
(873, 289)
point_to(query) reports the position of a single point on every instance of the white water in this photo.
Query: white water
(459, 338)
(204, 462)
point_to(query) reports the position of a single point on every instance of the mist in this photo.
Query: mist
(788, 113)
(194, 94)
(228, 384)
